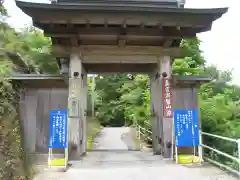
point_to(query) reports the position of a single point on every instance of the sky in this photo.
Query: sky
(219, 45)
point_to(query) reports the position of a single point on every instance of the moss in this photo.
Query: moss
(13, 164)
(93, 129)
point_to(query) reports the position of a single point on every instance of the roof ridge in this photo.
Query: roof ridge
(119, 7)
(170, 3)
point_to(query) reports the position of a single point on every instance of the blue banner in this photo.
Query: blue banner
(186, 127)
(58, 129)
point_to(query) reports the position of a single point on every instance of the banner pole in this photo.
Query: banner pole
(176, 149)
(66, 141)
(49, 157)
(193, 138)
(173, 143)
(65, 158)
(176, 154)
(194, 151)
(200, 149)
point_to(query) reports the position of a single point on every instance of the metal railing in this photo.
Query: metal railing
(229, 156)
(144, 133)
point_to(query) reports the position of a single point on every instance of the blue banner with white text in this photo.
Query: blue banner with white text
(186, 127)
(58, 129)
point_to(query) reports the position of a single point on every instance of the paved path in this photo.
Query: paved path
(110, 159)
(111, 139)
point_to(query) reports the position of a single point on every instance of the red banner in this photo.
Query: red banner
(167, 98)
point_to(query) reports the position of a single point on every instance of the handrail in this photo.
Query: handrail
(142, 131)
(220, 137)
(236, 159)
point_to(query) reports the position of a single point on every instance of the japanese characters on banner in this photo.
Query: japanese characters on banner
(167, 98)
(58, 129)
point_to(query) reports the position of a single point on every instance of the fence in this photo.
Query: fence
(144, 133)
(236, 159)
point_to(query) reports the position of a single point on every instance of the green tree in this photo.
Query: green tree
(193, 62)
(110, 111)
(38, 51)
(34, 49)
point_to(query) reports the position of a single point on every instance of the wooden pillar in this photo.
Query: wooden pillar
(84, 109)
(75, 124)
(161, 125)
(165, 71)
(155, 113)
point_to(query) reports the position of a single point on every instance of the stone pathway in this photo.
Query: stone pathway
(111, 160)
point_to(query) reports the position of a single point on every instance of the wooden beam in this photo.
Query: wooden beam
(109, 37)
(171, 19)
(59, 31)
(35, 84)
(74, 41)
(69, 25)
(105, 23)
(104, 59)
(167, 42)
(121, 41)
(59, 50)
(122, 36)
(146, 41)
(119, 68)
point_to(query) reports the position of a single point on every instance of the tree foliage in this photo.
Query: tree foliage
(34, 49)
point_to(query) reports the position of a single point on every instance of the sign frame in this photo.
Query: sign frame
(195, 136)
(59, 113)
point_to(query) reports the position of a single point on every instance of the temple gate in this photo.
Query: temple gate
(119, 37)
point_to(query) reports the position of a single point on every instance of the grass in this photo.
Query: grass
(93, 128)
